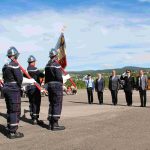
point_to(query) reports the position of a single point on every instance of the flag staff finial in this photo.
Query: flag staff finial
(63, 28)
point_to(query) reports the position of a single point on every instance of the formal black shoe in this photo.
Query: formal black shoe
(49, 126)
(15, 135)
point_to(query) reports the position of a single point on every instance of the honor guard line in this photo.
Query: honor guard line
(36, 84)
(28, 76)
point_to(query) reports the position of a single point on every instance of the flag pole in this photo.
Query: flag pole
(1, 83)
(65, 73)
(28, 76)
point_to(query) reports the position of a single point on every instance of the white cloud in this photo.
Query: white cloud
(144, 1)
(87, 31)
(107, 66)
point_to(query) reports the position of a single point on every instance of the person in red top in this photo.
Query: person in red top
(68, 90)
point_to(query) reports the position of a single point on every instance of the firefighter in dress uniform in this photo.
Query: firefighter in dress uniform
(54, 81)
(34, 94)
(13, 77)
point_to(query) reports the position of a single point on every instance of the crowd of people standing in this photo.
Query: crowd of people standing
(126, 81)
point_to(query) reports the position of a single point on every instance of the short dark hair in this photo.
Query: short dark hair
(128, 71)
(88, 75)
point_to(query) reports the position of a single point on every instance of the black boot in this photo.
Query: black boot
(49, 126)
(55, 127)
(34, 122)
(15, 135)
(39, 122)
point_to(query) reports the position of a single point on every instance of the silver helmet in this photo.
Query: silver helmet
(31, 59)
(12, 51)
(53, 53)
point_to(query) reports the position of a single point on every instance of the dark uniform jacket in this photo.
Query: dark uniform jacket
(53, 72)
(35, 73)
(12, 73)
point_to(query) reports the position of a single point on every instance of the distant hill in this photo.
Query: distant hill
(119, 70)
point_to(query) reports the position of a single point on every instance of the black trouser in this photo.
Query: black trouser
(13, 103)
(34, 96)
(143, 97)
(2, 94)
(90, 95)
(114, 95)
(128, 95)
(55, 94)
(100, 96)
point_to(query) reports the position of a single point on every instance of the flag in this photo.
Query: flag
(65, 78)
(61, 49)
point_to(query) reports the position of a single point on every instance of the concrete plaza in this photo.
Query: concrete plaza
(88, 127)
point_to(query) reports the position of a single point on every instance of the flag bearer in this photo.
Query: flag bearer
(53, 78)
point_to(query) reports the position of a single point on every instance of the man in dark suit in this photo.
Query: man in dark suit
(141, 84)
(114, 87)
(99, 88)
(129, 84)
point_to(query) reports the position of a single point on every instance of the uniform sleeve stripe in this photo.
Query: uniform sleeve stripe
(53, 66)
(33, 70)
(14, 67)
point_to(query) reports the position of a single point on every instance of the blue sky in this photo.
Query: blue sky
(100, 34)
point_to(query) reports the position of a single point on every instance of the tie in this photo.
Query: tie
(140, 81)
(88, 84)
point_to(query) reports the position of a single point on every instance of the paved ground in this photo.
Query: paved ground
(88, 127)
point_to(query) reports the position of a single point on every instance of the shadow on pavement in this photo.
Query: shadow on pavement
(40, 122)
(3, 115)
(3, 130)
(103, 104)
(79, 102)
(120, 105)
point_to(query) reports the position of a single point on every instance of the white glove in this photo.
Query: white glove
(27, 81)
(124, 74)
(65, 78)
(85, 78)
(32, 81)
